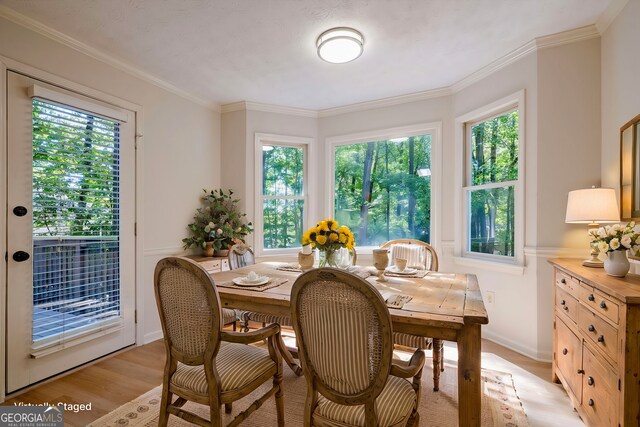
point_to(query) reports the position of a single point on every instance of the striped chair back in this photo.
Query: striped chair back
(241, 255)
(418, 254)
(189, 309)
(344, 334)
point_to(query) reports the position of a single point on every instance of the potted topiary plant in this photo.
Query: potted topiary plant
(218, 224)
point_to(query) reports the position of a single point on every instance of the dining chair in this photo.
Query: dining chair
(345, 337)
(241, 255)
(204, 363)
(423, 256)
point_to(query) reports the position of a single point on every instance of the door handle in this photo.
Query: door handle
(20, 256)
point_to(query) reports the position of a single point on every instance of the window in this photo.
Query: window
(76, 226)
(281, 208)
(491, 192)
(382, 184)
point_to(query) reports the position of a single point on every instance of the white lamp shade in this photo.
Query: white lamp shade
(592, 205)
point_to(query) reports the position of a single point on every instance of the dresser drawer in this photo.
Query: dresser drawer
(601, 334)
(567, 304)
(599, 303)
(599, 395)
(566, 282)
(569, 357)
(212, 266)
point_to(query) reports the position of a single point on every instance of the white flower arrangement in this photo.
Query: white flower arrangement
(616, 238)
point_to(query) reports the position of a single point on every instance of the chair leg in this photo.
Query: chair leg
(163, 419)
(288, 358)
(437, 361)
(277, 382)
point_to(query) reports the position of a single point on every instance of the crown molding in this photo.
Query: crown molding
(57, 36)
(268, 108)
(610, 14)
(565, 37)
(385, 102)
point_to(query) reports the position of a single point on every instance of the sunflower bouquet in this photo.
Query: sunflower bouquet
(328, 237)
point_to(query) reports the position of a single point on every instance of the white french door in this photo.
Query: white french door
(70, 230)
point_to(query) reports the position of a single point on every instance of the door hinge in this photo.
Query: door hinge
(6, 257)
(135, 316)
(135, 228)
(619, 384)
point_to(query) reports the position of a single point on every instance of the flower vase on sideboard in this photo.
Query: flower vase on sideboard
(208, 249)
(617, 264)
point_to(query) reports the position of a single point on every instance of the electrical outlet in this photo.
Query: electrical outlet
(491, 297)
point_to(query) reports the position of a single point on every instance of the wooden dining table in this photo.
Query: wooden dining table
(448, 306)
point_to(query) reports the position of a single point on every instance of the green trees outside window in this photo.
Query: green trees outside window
(493, 175)
(282, 196)
(383, 189)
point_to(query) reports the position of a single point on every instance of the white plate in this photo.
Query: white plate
(243, 281)
(393, 269)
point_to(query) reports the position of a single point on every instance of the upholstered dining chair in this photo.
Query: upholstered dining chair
(423, 256)
(206, 364)
(241, 255)
(345, 344)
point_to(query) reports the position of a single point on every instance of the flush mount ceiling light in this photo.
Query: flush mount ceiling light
(340, 45)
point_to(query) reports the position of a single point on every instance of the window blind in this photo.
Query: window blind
(76, 224)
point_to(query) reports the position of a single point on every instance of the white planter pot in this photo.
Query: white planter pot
(617, 264)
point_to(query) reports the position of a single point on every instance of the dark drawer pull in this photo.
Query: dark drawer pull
(603, 304)
(566, 308)
(581, 371)
(563, 302)
(601, 338)
(591, 402)
(591, 328)
(590, 380)
(565, 351)
(563, 281)
(591, 297)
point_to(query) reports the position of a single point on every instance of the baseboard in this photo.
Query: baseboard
(152, 336)
(530, 352)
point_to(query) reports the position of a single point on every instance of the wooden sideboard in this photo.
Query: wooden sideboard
(596, 342)
(213, 264)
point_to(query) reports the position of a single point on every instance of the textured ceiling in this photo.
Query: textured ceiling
(264, 50)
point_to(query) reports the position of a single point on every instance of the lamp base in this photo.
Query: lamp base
(594, 264)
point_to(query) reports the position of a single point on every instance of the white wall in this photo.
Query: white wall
(238, 150)
(620, 86)
(181, 148)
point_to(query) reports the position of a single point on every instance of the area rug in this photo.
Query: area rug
(501, 406)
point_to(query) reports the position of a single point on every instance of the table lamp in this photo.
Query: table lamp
(592, 206)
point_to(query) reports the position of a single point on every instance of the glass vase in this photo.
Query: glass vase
(328, 258)
(617, 264)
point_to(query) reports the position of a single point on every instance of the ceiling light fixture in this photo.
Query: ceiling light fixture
(339, 45)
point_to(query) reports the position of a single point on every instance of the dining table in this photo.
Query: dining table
(443, 305)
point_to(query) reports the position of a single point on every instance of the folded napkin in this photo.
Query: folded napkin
(289, 267)
(274, 283)
(395, 300)
(418, 274)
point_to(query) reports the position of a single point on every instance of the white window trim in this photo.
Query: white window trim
(284, 141)
(515, 101)
(434, 129)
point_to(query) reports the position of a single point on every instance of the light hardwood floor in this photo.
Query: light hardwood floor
(118, 379)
